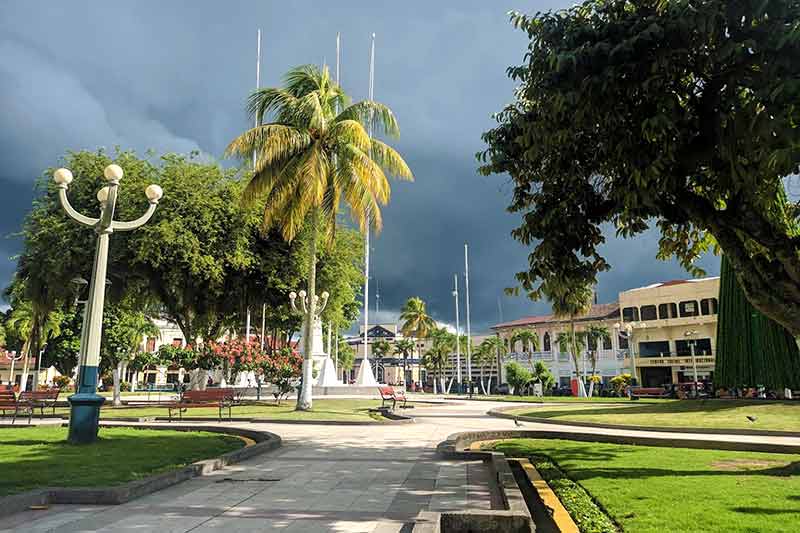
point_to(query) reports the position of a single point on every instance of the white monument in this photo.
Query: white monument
(326, 370)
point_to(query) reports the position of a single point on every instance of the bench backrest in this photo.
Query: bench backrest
(41, 394)
(207, 395)
(7, 396)
(386, 391)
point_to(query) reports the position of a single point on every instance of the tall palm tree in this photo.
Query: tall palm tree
(530, 343)
(438, 355)
(492, 348)
(415, 319)
(34, 325)
(405, 348)
(311, 159)
(594, 336)
(570, 303)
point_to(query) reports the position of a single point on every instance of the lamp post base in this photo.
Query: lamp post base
(84, 417)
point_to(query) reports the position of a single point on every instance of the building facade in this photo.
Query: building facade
(663, 333)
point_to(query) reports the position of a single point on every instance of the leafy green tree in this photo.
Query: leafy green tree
(416, 322)
(309, 160)
(437, 357)
(683, 113)
(517, 376)
(530, 343)
(124, 330)
(346, 356)
(541, 374)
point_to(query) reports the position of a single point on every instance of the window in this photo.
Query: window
(688, 308)
(701, 347)
(592, 343)
(546, 342)
(653, 349)
(178, 342)
(623, 342)
(607, 343)
(630, 314)
(669, 310)
(649, 312)
(708, 306)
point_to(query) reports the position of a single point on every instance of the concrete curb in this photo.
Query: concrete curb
(501, 412)
(264, 442)
(456, 444)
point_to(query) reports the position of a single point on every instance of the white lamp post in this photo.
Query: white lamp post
(689, 335)
(629, 328)
(308, 361)
(85, 403)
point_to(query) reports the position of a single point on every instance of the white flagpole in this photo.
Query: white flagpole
(365, 374)
(258, 84)
(469, 333)
(458, 334)
(263, 324)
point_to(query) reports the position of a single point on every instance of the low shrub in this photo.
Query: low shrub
(579, 504)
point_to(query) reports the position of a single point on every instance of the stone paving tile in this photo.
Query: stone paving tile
(235, 524)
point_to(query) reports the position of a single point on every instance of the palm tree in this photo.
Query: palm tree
(416, 321)
(311, 159)
(438, 356)
(572, 302)
(530, 343)
(380, 348)
(541, 374)
(404, 348)
(594, 336)
(34, 325)
(491, 348)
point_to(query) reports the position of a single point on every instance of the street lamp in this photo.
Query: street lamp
(304, 308)
(458, 332)
(629, 327)
(85, 403)
(13, 357)
(689, 334)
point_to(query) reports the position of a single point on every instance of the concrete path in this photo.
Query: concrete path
(324, 478)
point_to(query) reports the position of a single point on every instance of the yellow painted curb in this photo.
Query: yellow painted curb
(247, 440)
(561, 517)
(478, 444)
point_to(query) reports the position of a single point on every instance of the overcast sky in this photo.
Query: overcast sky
(173, 76)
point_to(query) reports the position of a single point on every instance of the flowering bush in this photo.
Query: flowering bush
(282, 369)
(61, 382)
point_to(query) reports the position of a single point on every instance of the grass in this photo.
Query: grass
(651, 490)
(720, 414)
(353, 410)
(35, 457)
(565, 399)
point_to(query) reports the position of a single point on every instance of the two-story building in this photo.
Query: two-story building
(662, 333)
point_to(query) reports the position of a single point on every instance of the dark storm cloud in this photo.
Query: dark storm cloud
(173, 76)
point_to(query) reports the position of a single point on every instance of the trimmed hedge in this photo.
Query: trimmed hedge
(588, 516)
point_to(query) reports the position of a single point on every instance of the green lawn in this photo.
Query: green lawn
(324, 410)
(728, 414)
(564, 399)
(647, 489)
(33, 457)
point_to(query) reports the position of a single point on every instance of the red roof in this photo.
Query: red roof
(598, 311)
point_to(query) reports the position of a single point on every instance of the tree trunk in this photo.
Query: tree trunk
(304, 400)
(117, 381)
(574, 343)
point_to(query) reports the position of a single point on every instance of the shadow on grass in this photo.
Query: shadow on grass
(671, 407)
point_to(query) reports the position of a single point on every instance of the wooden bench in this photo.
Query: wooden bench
(388, 393)
(10, 402)
(220, 398)
(648, 392)
(42, 399)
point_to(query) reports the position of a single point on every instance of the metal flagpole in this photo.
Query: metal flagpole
(365, 375)
(458, 333)
(258, 84)
(263, 324)
(247, 327)
(469, 331)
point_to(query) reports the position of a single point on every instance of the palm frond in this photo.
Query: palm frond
(374, 116)
(263, 101)
(390, 161)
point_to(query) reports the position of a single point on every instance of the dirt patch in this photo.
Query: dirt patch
(747, 464)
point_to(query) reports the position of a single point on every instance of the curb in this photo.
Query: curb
(500, 412)
(264, 442)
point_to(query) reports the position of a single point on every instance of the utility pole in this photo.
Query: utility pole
(469, 331)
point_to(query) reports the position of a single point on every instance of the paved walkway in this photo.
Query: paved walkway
(324, 478)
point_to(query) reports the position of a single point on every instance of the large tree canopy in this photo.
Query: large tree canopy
(681, 113)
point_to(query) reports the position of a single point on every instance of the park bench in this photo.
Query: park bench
(220, 398)
(10, 402)
(648, 392)
(389, 394)
(41, 399)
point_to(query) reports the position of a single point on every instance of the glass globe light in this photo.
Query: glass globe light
(325, 295)
(113, 172)
(302, 293)
(62, 176)
(292, 295)
(154, 193)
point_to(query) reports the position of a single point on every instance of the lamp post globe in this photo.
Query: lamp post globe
(62, 176)
(113, 173)
(154, 193)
